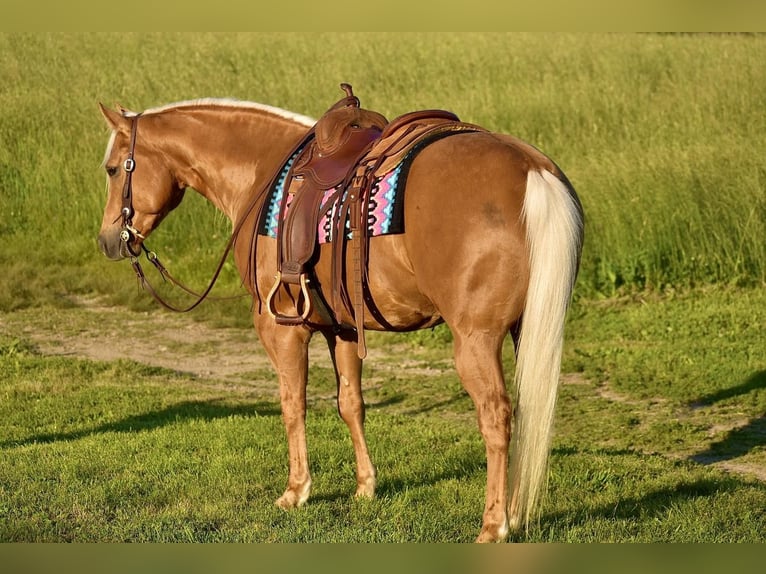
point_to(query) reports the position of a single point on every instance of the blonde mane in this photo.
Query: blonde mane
(233, 103)
(215, 102)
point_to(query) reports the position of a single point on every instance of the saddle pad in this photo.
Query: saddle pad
(385, 201)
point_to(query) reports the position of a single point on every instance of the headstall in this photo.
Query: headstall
(129, 233)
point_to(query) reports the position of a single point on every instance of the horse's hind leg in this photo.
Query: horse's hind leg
(479, 364)
(348, 373)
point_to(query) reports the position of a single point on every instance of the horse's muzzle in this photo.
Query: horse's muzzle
(112, 246)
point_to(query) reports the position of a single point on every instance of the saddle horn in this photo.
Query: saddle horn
(348, 89)
(350, 101)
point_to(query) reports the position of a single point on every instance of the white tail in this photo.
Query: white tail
(554, 235)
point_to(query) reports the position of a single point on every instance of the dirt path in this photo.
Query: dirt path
(96, 331)
(93, 330)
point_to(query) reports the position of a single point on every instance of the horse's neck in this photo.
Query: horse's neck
(225, 154)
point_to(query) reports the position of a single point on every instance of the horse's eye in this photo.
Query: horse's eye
(111, 171)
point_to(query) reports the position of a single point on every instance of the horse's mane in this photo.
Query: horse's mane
(232, 103)
(219, 103)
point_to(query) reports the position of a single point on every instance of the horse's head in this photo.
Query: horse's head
(141, 186)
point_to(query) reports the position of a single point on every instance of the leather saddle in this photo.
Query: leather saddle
(338, 140)
(347, 149)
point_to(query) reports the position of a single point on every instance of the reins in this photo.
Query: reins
(165, 274)
(128, 232)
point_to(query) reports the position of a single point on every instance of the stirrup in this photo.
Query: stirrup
(299, 318)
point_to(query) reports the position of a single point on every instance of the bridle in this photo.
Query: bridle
(129, 233)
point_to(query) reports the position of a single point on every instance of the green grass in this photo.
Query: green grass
(647, 449)
(660, 134)
(661, 417)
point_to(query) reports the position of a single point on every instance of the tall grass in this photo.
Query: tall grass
(662, 136)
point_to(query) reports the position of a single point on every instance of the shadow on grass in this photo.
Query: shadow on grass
(403, 400)
(177, 413)
(461, 467)
(756, 381)
(741, 440)
(654, 504)
(737, 442)
(648, 505)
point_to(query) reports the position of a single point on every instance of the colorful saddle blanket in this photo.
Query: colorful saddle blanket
(385, 199)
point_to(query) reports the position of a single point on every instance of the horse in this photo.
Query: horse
(491, 246)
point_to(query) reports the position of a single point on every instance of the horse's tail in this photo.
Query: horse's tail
(554, 223)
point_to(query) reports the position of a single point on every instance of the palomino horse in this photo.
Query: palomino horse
(492, 246)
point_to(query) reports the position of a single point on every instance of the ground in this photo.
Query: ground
(94, 330)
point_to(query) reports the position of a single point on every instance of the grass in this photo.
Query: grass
(122, 451)
(660, 134)
(660, 426)
(201, 466)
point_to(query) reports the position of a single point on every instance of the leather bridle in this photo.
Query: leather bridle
(129, 233)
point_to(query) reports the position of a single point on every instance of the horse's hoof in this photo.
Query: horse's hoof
(287, 501)
(492, 534)
(293, 498)
(366, 489)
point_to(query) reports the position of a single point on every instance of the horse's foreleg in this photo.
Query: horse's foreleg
(287, 347)
(348, 372)
(478, 362)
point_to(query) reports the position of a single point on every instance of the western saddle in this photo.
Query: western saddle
(346, 151)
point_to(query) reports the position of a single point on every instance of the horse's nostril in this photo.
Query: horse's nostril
(109, 248)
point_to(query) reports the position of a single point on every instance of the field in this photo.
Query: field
(122, 422)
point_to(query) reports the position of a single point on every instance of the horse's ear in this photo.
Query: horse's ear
(112, 117)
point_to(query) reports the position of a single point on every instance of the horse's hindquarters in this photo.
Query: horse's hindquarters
(465, 238)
